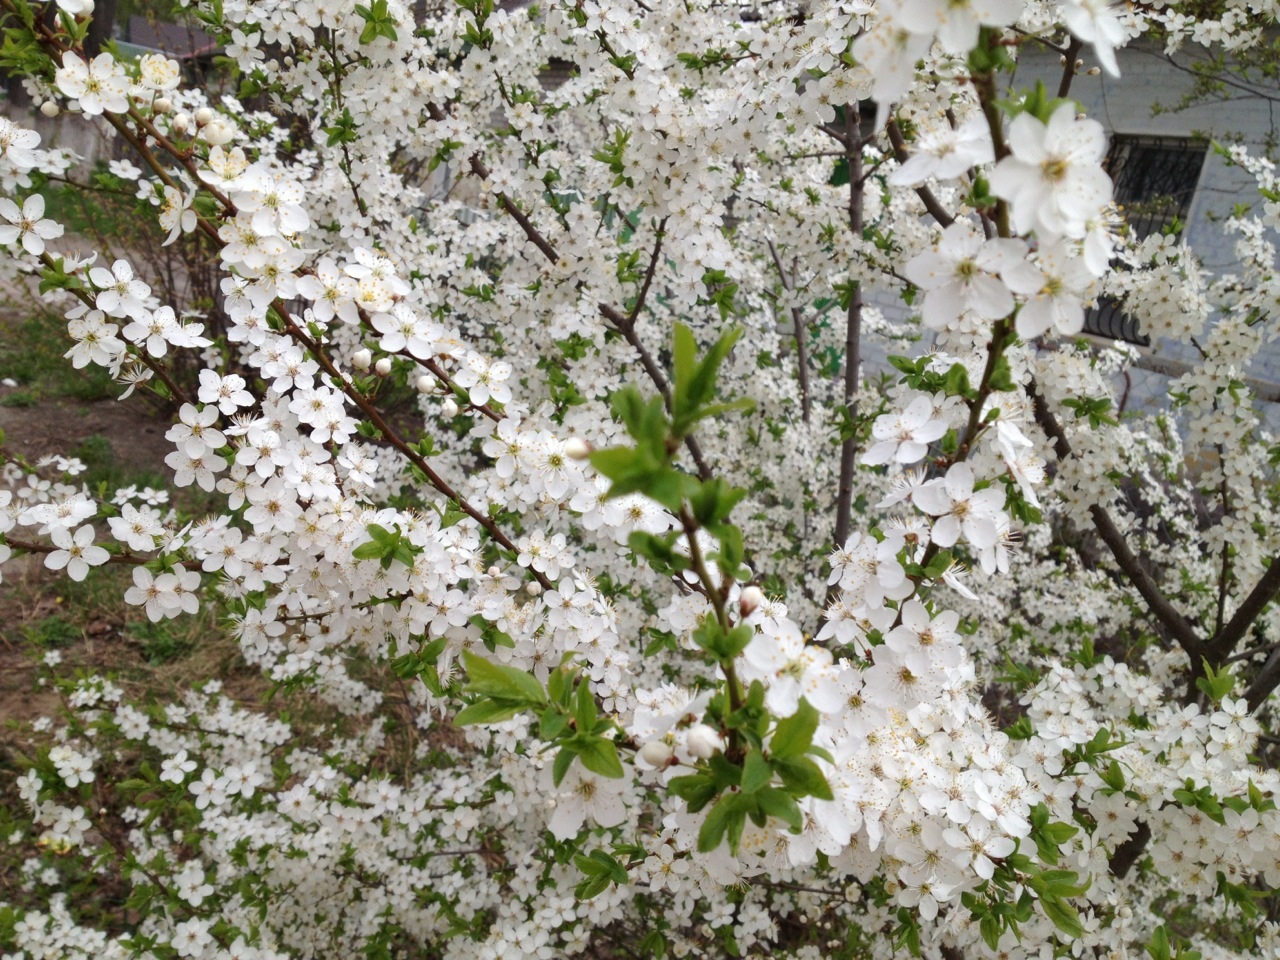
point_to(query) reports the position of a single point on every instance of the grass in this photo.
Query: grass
(31, 353)
(91, 625)
(52, 632)
(103, 467)
(20, 398)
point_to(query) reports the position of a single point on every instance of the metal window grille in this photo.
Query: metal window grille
(1155, 180)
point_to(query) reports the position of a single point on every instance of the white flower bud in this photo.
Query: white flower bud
(50, 109)
(576, 448)
(383, 366)
(181, 122)
(218, 132)
(495, 571)
(361, 359)
(656, 753)
(1094, 71)
(204, 116)
(425, 384)
(749, 600)
(449, 409)
(162, 105)
(534, 589)
(703, 742)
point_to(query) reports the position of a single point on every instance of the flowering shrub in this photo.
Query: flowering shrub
(657, 629)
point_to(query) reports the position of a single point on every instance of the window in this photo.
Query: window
(1155, 180)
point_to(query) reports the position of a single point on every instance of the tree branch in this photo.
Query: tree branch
(1264, 591)
(1173, 622)
(801, 334)
(931, 204)
(625, 325)
(853, 330)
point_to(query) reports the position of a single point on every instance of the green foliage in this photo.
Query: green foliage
(51, 632)
(378, 22)
(1215, 684)
(387, 546)
(772, 773)
(162, 642)
(31, 353)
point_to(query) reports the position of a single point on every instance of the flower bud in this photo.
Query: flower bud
(203, 116)
(576, 448)
(1094, 71)
(361, 359)
(218, 132)
(656, 753)
(383, 366)
(50, 109)
(162, 106)
(425, 384)
(449, 409)
(703, 742)
(495, 571)
(750, 600)
(534, 589)
(181, 123)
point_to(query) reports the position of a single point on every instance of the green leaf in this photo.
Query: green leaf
(684, 351)
(794, 734)
(803, 777)
(713, 828)
(551, 724)
(756, 772)
(584, 708)
(600, 756)
(780, 804)
(560, 766)
(696, 790)
(487, 711)
(502, 682)
(1064, 916)
(371, 550)
(1159, 948)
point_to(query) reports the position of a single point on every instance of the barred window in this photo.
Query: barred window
(1155, 180)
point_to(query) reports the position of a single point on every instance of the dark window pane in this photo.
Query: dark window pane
(1155, 180)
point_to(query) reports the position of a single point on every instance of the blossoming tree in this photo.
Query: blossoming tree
(659, 628)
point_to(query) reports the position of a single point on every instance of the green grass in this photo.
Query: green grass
(32, 353)
(103, 470)
(52, 632)
(163, 642)
(20, 398)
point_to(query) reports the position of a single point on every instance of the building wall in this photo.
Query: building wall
(1142, 102)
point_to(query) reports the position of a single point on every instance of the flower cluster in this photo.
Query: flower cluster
(531, 413)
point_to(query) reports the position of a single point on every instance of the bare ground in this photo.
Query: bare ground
(92, 625)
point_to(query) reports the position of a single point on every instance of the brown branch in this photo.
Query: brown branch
(624, 324)
(1264, 683)
(1264, 591)
(1069, 67)
(852, 333)
(375, 417)
(931, 203)
(125, 558)
(643, 295)
(1173, 622)
(801, 335)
